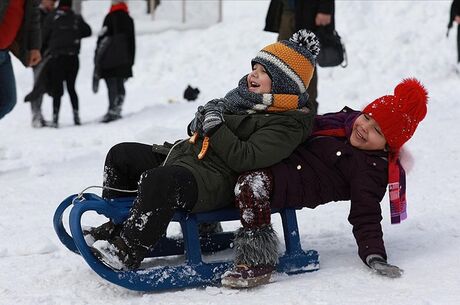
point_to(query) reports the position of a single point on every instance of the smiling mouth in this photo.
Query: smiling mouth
(360, 136)
(254, 84)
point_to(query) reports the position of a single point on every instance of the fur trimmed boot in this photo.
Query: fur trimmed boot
(256, 254)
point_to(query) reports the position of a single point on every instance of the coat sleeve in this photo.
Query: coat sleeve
(265, 147)
(84, 28)
(367, 190)
(47, 29)
(132, 41)
(34, 35)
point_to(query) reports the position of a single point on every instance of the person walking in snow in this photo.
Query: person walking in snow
(20, 34)
(351, 155)
(46, 6)
(114, 57)
(62, 32)
(256, 125)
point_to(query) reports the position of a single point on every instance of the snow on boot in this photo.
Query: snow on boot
(116, 254)
(106, 231)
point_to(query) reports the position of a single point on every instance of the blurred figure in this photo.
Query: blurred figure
(20, 34)
(285, 17)
(62, 32)
(114, 57)
(149, 5)
(46, 6)
(455, 17)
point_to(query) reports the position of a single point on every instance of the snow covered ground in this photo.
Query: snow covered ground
(386, 41)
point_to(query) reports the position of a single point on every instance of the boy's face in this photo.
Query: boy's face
(259, 81)
(366, 134)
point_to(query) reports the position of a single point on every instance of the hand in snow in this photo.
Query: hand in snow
(379, 265)
(213, 116)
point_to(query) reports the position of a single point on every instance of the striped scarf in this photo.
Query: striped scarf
(241, 101)
(340, 124)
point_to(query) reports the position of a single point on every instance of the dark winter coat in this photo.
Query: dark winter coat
(305, 14)
(62, 32)
(118, 22)
(28, 37)
(243, 143)
(326, 169)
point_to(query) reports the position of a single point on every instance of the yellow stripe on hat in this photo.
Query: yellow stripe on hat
(296, 61)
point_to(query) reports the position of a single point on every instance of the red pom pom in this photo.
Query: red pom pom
(413, 98)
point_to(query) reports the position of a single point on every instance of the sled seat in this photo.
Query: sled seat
(194, 271)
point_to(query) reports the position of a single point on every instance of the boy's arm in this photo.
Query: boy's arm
(266, 146)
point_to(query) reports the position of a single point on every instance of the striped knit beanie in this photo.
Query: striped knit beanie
(290, 63)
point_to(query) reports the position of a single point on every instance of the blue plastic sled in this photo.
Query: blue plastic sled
(193, 272)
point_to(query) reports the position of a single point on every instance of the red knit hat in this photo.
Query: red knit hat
(398, 115)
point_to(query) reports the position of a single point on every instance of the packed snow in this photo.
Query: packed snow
(386, 41)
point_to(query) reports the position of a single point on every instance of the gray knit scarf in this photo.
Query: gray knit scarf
(241, 101)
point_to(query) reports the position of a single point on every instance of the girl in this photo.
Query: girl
(244, 130)
(351, 155)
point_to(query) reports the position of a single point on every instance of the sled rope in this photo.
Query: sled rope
(81, 198)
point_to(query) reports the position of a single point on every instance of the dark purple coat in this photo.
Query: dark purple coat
(326, 169)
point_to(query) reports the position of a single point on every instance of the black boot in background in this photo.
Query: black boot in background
(76, 118)
(55, 123)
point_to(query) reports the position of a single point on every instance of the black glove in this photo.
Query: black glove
(380, 265)
(196, 125)
(213, 116)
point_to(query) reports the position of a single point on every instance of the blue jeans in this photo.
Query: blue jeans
(7, 84)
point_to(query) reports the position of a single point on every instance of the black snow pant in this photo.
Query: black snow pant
(64, 68)
(161, 190)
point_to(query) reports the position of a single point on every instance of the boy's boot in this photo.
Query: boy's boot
(76, 118)
(106, 231)
(256, 254)
(117, 254)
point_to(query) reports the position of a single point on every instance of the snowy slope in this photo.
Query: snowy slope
(386, 41)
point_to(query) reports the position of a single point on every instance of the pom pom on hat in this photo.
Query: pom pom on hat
(398, 115)
(307, 39)
(290, 63)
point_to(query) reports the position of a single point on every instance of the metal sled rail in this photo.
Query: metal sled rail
(194, 272)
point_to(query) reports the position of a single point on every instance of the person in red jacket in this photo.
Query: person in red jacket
(20, 34)
(351, 155)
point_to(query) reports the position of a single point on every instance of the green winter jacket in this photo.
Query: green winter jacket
(242, 143)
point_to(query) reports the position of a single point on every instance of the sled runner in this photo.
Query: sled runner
(194, 271)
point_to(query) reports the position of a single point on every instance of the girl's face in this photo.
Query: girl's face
(367, 134)
(259, 81)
